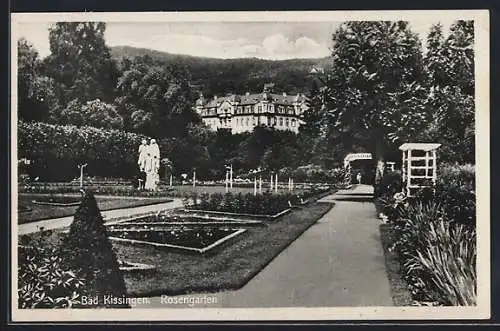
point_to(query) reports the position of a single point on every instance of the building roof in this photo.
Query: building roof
(419, 146)
(251, 99)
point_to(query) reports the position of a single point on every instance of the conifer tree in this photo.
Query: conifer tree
(88, 249)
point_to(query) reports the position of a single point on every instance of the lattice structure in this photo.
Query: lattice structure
(419, 166)
(353, 157)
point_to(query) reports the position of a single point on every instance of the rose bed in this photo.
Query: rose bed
(190, 238)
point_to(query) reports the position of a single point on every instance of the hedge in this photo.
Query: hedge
(56, 151)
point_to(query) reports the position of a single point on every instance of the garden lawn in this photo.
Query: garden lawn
(401, 296)
(227, 267)
(31, 212)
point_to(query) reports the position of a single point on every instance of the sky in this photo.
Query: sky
(266, 40)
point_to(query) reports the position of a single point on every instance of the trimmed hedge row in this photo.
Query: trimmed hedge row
(266, 203)
(56, 151)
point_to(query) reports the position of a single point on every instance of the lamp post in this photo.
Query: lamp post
(229, 167)
(81, 166)
(194, 177)
(260, 183)
(276, 185)
(227, 181)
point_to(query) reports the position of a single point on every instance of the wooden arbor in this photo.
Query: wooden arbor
(419, 166)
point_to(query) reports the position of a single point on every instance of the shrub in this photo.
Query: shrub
(437, 255)
(263, 204)
(390, 184)
(316, 173)
(87, 248)
(448, 263)
(43, 280)
(455, 189)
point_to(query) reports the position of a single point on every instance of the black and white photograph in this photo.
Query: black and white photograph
(250, 166)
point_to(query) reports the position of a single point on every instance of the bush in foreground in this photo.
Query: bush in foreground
(43, 280)
(87, 248)
(434, 235)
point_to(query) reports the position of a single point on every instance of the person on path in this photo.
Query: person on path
(358, 177)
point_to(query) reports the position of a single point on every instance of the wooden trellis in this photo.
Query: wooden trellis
(419, 166)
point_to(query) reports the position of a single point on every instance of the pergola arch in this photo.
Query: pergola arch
(353, 157)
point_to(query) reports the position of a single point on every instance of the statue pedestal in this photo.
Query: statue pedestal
(151, 181)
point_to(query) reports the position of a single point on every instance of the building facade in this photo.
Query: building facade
(242, 113)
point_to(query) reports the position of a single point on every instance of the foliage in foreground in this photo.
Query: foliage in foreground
(43, 280)
(435, 238)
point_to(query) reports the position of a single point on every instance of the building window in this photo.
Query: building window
(247, 121)
(287, 122)
(293, 122)
(281, 121)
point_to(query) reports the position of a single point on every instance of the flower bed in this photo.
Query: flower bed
(127, 266)
(23, 209)
(180, 219)
(260, 204)
(196, 239)
(434, 237)
(58, 201)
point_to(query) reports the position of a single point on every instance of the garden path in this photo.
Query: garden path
(337, 262)
(108, 215)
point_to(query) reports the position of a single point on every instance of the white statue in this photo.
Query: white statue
(152, 165)
(142, 155)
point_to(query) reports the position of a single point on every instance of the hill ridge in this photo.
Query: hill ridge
(215, 76)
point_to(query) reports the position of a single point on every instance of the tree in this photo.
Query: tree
(376, 93)
(102, 115)
(80, 62)
(88, 249)
(450, 66)
(155, 99)
(36, 98)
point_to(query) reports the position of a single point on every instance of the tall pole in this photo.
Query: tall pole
(170, 180)
(227, 187)
(194, 178)
(231, 175)
(272, 178)
(255, 185)
(81, 174)
(276, 186)
(260, 184)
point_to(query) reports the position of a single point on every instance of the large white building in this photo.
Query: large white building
(241, 113)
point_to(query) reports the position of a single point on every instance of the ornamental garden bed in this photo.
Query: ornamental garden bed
(193, 239)
(230, 266)
(213, 214)
(58, 200)
(134, 267)
(182, 219)
(23, 209)
(46, 211)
